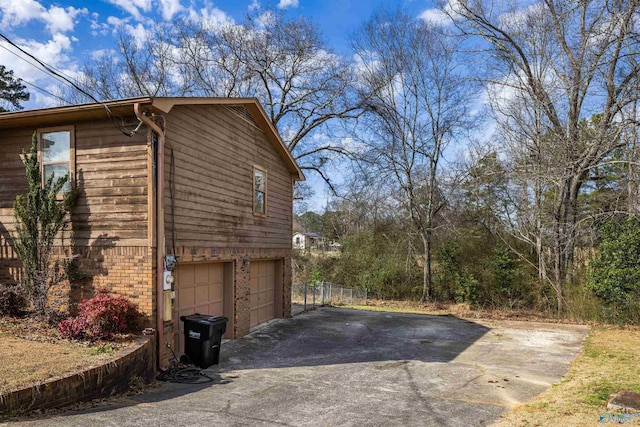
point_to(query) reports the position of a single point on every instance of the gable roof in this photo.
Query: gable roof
(69, 113)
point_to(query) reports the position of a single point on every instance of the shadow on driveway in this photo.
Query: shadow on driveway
(347, 367)
(334, 336)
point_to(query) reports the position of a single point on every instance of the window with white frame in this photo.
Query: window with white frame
(56, 149)
(259, 191)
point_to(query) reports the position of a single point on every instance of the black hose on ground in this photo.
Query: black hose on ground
(184, 375)
(183, 372)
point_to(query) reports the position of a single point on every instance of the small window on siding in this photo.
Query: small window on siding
(259, 191)
(56, 150)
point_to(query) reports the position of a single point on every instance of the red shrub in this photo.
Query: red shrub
(73, 327)
(100, 317)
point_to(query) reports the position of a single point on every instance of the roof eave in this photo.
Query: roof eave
(46, 116)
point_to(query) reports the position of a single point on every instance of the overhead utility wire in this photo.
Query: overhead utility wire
(67, 80)
(35, 65)
(50, 69)
(45, 91)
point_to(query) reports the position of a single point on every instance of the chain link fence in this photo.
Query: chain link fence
(325, 293)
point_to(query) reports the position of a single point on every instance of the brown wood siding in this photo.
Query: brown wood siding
(111, 175)
(214, 151)
(12, 179)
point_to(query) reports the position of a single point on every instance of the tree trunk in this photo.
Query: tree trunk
(542, 265)
(427, 278)
(558, 270)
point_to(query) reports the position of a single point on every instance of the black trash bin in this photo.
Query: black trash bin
(202, 338)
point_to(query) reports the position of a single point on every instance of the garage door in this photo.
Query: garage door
(263, 281)
(199, 289)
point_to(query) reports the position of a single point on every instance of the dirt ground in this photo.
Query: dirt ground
(32, 353)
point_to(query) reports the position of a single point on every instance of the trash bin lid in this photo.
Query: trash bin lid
(204, 319)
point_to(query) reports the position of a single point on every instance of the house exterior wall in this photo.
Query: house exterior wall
(298, 241)
(214, 152)
(107, 233)
(210, 153)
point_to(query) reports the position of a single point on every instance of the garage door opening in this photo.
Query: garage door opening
(266, 291)
(204, 288)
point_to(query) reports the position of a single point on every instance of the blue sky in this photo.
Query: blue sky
(65, 34)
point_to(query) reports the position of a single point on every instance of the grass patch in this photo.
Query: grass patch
(400, 307)
(607, 364)
(26, 363)
(103, 349)
(458, 310)
(31, 353)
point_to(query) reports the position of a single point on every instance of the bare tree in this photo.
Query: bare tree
(589, 60)
(303, 86)
(419, 106)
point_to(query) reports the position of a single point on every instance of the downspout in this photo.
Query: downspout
(159, 226)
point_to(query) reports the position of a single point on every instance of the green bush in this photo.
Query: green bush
(614, 274)
(379, 260)
(12, 303)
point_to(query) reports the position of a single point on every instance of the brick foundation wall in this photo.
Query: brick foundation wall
(114, 377)
(125, 270)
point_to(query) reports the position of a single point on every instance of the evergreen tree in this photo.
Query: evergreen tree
(40, 216)
(12, 91)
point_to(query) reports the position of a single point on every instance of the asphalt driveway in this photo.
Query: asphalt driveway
(340, 367)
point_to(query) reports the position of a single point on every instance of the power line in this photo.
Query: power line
(45, 91)
(51, 70)
(60, 76)
(32, 64)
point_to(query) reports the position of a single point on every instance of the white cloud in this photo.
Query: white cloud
(61, 20)
(435, 16)
(139, 34)
(284, 4)
(97, 27)
(265, 19)
(56, 18)
(98, 54)
(519, 18)
(19, 12)
(255, 5)
(134, 7)
(211, 17)
(170, 8)
(53, 52)
(116, 22)
(353, 146)
(441, 16)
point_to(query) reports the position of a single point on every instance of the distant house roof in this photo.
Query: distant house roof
(54, 115)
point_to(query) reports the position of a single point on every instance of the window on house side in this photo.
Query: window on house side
(259, 191)
(56, 148)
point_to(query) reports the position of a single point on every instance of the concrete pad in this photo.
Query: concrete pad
(625, 400)
(343, 367)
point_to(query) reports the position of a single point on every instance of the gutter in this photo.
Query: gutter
(159, 225)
